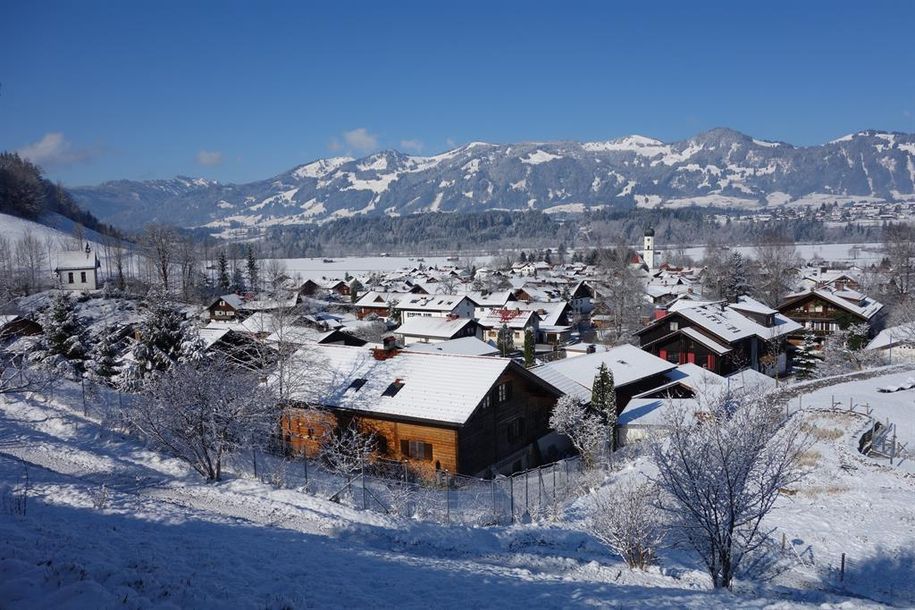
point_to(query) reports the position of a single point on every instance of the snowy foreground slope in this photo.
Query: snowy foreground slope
(164, 539)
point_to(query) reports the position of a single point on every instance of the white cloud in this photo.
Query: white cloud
(360, 139)
(414, 145)
(210, 158)
(53, 150)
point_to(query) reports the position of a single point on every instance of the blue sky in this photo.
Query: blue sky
(243, 90)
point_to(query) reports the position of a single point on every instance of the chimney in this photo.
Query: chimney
(387, 350)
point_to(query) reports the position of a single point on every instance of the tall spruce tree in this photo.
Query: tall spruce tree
(222, 272)
(735, 284)
(253, 272)
(165, 337)
(101, 361)
(528, 348)
(603, 398)
(63, 330)
(805, 363)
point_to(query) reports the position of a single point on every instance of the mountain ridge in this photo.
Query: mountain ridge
(721, 167)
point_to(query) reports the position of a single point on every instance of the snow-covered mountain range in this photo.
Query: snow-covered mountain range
(720, 167)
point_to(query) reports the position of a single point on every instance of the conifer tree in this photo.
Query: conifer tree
(603, 397)
(101, 362)
(528, 348)
(222, 270)
(805, 363)
(63, 329)
(165, 337)
(252, 270)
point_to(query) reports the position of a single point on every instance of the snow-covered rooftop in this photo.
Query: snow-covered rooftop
(627, 362)
(465, 346)
(434, 327)
(435, 387)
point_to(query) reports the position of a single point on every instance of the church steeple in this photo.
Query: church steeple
(648, 248)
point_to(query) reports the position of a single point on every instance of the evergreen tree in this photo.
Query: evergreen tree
(222, 271)
(63, 329)
(523, 257)
(528, 348)
(252, 270)
(165, 337)
(101, 362)
(355, 287)
(805, 363)
(603, 397)
(505, 341)
(238, 279)
(734, 283)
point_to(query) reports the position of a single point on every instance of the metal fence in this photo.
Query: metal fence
(393, 488)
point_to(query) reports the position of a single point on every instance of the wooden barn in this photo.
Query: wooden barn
(464, 414)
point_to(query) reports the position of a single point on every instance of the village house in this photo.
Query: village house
(463, 414)
(722, 337)
(823, 311)
(465, 346)
(419, 329)
(442, 306)
(634, 371)
(517, 321)
(226, 307)
(77, 270)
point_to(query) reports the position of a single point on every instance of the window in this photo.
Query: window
(70, 277)
(356, 385)
(487, 401)
(82, 277)
(674, 326)
(505, 392)
(416, 450)
(514, 429)
(393, 389)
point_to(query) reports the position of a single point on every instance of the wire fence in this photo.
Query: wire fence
(391, 487)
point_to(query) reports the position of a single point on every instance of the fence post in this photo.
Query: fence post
(842, 569)
(527, 502)
(784, 540)
(82, 384)
(511, 480)
(893, 448)
(305, 462)
(254, 459)
(492, 492)
(447, 497)
(365, 501)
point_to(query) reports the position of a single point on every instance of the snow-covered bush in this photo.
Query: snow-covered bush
(346, 450)
(201, 412)
(720, 471)
(629, 522)
(585, 429)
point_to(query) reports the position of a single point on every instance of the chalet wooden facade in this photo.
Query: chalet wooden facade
(721, 337)
(226, 307)
(824, 311)
(496, 412)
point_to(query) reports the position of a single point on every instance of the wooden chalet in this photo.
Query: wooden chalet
(823, 311)
(226, 307)
(721, 337)
(464, 414)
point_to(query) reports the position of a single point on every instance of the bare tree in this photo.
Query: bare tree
(619, 295)
(160, 246)
(720, 472)
(30, 260)
(202, 412)
(628, 521)
(778, 265)
(585, 429)
(347, 449)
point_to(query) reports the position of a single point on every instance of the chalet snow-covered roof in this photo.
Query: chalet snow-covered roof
(705, 341)
(729, 324)
(628, 363)
(433, 327)
(232, 300)
(435, 387)
(464, 346)
(849, 300)
(549, 313)
(749, 305)
(423, 302)
(298, 335)
(78, 260)
(654, 411)
(489, 299)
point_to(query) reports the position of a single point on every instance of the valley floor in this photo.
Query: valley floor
(156, 536)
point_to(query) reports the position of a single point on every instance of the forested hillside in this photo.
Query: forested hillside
(25, 192)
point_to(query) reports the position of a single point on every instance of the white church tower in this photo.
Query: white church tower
(648, 249)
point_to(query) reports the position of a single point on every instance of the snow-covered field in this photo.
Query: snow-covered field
(164, 539)
(861, 254)
(316, 268)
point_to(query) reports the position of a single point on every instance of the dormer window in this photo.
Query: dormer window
(394, 388)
